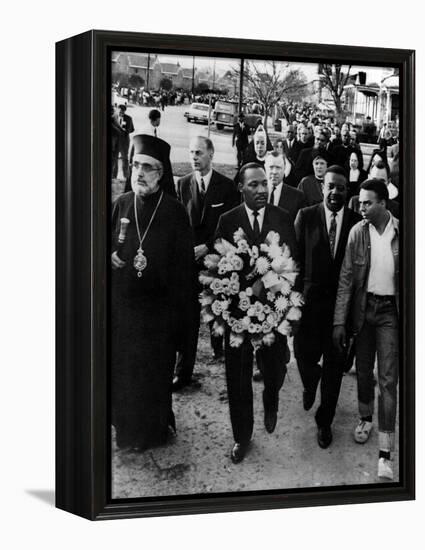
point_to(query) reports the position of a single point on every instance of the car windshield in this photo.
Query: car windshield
(225, 107)
(200, 107)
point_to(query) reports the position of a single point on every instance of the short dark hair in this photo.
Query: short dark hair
(248, 166)
(336, 169)
(378, 186)
(207, 142)
(154, 114)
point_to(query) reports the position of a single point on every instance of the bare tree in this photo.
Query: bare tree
(270, 81)
(334, 78)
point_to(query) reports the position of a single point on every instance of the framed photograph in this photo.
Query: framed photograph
(235, 275)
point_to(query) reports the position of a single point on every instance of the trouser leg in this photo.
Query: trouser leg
(365, 358)
(308, 350)
(187, 353)
(272, 361)
(388, 366)
(238, 363)
(330, 383)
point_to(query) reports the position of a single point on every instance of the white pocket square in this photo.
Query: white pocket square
(217, 205)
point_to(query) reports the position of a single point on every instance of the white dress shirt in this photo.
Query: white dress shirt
(277, 193)
(381, 273)
(260, 216)
(338, 218)
(206, 178)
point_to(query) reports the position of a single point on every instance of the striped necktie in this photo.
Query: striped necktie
(332, 234)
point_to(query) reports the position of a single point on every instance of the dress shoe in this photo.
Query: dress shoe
(270, 420)
(180, 383)
(238, 452)
(257, 376)
(324, 436)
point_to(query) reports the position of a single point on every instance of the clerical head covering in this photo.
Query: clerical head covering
(158, 149)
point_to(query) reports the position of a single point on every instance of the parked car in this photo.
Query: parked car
(197, 112)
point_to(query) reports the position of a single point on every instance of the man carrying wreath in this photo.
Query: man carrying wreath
(255, 219)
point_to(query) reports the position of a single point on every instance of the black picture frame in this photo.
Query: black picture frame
(82, 417)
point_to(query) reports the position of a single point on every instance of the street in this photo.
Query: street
(197, 460)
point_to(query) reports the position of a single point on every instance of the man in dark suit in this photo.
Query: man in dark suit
(341, 153)
(123, 124)
(322, 232)
(206, 194)
(280, 194)
(240, 137)
(291, 146)
(256, 218)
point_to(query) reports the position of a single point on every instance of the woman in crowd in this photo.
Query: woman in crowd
(355, 175)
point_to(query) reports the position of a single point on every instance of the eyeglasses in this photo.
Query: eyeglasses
(145, 168)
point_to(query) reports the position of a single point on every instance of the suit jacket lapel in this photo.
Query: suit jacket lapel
(209, 194)
(323, 225)
(345, 228)
(266, 224)
(194, 199)
(246, 224)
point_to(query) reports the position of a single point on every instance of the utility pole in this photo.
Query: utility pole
(147, 76)
(193, 76)
(241, 85)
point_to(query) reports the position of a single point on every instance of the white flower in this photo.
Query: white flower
(270, 297)
(252, 329)
(216, 307)
(236, 262)
(245, 322)
(296, 299)
(234, 287)
(279, 264)
(294, 314)
(236, 340)
(226, 315)
(239, 235)
(216, 286)
(248, 291)
(251, 311)
(266, 327)
(243, 247)
(254, 252)
(281, 304)
(285, 287)
(284, 328)
(264, 247)
(269, 339)
(262, 265)
(267, 309)
(218, 329)
(206, 299)
(272, 237)
(272, 318)
(207, 316)
(211, 260)
(205, 279)
(244, 303)
(223, 247)
(237, 326)
(270, 279)
(275, 251)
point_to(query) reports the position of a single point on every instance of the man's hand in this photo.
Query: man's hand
(339, 338)
(200, 251)
(117, 263)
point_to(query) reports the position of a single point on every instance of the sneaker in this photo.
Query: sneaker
(385, 468)
(362, 431)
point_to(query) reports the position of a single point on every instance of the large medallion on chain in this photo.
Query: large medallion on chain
(140, 262)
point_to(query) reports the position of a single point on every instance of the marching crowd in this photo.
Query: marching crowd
(339, 219)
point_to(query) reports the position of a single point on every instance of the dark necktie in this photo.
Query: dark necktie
(256, 226)
(332, 234)
(202, 187)
(154, 132)
(271, 201)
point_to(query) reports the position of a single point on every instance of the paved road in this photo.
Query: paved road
(177, 132)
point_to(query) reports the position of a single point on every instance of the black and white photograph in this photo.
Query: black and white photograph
(255, 209)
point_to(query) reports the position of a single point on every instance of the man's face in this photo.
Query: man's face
(337, 131)
(156, 122)
(121, 111)
(275, 168)
(254, 188)
(319, 167)
(334, 191)
(345, 136)
(353, 137)
(200, 156)
(304, 135)
(260, 146)
(145, 175)
(319, 140)
(370, 207)
(290, 133)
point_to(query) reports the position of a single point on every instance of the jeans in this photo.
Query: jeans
(379, 334)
